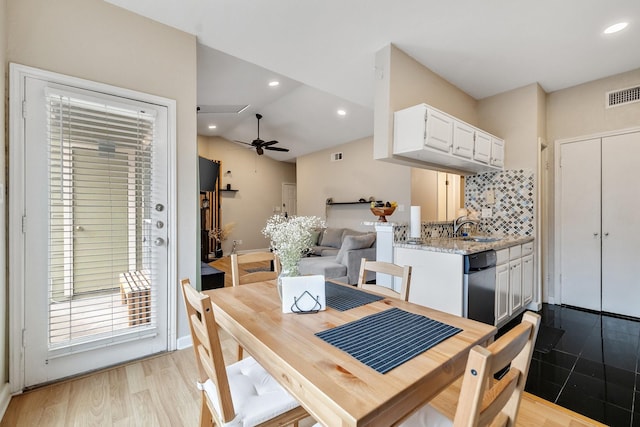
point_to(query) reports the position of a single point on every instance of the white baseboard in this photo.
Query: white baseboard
(184, 342)
(5, 398)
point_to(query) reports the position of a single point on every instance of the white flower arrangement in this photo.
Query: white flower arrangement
(291, 238)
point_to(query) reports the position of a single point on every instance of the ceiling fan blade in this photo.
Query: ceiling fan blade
(242, 142)
(276, 149)
(266, 144)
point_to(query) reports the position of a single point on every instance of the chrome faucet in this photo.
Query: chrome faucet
(460, 221)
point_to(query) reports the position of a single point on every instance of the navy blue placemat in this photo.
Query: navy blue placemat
(385, 340)
(344, 298)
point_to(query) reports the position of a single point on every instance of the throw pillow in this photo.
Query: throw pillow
(332, 237)
(314, 237)
(354, 242)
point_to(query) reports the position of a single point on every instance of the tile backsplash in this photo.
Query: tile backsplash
(513, 210)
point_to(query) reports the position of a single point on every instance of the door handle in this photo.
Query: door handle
(79, 228)
(159, 241)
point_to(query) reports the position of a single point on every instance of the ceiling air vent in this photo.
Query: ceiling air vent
(336, 157)
(623, 96)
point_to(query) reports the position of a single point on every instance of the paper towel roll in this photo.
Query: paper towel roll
(416, 227)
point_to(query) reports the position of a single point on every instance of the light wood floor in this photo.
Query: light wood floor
(160, 391)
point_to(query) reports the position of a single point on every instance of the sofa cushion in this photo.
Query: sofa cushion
(331, 237)
(325, 265)
(354, 242)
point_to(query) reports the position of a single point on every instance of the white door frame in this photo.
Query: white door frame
(17, 256)
(557, 291)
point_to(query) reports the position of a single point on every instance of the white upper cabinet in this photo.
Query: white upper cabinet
(497, 152)
(438, 139)
(439, 131)
(463, 136)
(482, 144)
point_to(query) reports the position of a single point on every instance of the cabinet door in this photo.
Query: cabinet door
(527, 279)
(439, 131)
(620, 224)
(463, 139)
(497, 152)
(409, 129)
(515, 285)
(579, 218)
(502, 293)
(482, 147)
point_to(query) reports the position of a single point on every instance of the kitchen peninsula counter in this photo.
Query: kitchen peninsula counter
(459, 246)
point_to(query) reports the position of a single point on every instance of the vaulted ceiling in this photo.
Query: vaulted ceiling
(322, 53)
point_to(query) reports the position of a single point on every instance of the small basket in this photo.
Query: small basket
(382, 212)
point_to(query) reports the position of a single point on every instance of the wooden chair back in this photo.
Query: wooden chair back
(239, 276)
(388, 268)
(486, 401)
(208, 351)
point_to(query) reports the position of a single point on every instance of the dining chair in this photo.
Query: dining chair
(483, 400)
(242, 392)
(239, 276)
(403, 272)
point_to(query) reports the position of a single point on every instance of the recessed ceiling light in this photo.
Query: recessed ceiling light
(212, 126)
(342, 113)
(616, 27)
(274, 83)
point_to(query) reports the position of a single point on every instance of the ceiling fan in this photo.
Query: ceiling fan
(261, 145)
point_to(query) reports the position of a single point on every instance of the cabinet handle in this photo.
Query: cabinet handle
(606, 234)
(595, 235)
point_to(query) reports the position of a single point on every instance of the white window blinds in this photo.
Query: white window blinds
(100, 262)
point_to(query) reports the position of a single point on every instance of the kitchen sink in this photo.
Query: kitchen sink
(481, 239)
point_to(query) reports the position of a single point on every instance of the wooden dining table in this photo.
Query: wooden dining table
(334, 387)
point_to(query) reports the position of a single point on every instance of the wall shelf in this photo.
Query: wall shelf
(230, 190)
(331, 203)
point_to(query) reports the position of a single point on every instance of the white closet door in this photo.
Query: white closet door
(620, 224)
(580, 223)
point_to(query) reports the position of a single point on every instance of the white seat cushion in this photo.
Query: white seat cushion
(257, 397)
(427, 416)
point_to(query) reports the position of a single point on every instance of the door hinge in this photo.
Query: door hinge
(24, 108)
(24, 223)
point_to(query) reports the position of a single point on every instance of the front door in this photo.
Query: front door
(95, 229)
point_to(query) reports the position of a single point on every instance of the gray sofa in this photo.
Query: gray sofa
(338, 253)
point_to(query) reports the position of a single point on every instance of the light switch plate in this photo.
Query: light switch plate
(490, 196)
(487, 212)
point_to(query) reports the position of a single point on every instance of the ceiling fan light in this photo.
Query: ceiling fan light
(274, 83)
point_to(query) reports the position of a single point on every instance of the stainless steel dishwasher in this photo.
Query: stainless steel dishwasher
(480, 286)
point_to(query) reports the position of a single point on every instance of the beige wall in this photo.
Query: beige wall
(258, 180)
(4, 355)
(580, 111)
(513, 116)
(424, 193)
(94, 40)
(357, 176)
(401, 82)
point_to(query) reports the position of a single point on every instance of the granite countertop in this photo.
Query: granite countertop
(464, 247)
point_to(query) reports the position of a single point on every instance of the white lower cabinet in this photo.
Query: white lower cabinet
(515, 286)
(527, 279)
(514, 281)
(502, 293)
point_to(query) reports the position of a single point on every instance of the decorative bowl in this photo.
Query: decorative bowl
(382, 212)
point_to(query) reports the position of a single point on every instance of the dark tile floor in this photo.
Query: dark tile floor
(593, 368)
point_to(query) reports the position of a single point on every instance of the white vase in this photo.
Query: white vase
(286, 272)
